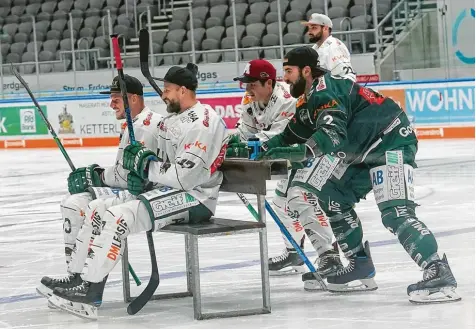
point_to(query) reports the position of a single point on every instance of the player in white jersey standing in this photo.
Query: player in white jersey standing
(83, 208)
(333, 53)
(267, 108)
(179, 184)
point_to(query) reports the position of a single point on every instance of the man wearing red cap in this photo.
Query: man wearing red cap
(267, 109)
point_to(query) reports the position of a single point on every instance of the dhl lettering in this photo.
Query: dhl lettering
(197, 144)
(297, 226)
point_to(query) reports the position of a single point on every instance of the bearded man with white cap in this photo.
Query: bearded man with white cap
(333, 53)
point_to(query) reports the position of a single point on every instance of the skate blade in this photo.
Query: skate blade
(288, 271)
(443, 295)
(83, 311)
(44, 291)
(313, 285)
(362, 285)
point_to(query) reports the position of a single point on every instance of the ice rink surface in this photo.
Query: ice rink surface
(32, 183)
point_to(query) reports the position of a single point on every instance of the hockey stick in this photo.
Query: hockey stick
(286, 233)
(140, 301)
(144, 59)
(58, 141)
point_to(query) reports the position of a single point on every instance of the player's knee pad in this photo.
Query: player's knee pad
(73, 210)
(348, 231)
(413, 234)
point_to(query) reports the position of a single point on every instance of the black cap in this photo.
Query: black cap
(133, 86)
(186, 77)
(303, 56)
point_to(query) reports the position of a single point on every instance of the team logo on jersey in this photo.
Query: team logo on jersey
(146, 121)
(300, 101)
(246, 99)
(206, 120)
(322, 84)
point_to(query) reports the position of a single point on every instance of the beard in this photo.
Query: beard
(316, 38)
(173, 107)
(299, 87)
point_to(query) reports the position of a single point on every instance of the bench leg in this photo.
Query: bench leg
(195, 267)
(126, 285)
(263, 245)
(188, 268)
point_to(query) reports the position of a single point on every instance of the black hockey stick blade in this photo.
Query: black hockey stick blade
(137, 304)
(144, 59)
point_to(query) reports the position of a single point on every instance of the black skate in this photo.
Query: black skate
(438, 285)
(288, 263)
(328, 264)
(360, 269)
(82, 300)
(48, 284)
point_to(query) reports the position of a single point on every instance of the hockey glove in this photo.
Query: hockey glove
(237, 150)
(235, 138)
(136, 159)
(293, 154)
(137, 185)
(84, 177)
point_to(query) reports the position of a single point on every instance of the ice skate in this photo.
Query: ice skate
(358, 275)
(48, 284)
(438, 285)
(328, 264)
(288, 263)
(82, 300)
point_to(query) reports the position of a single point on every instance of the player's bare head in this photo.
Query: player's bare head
(180, 85)
(260, 79)
(135, 97)
(319, 27)
(300, 68)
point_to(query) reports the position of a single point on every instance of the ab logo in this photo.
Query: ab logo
(377, 178)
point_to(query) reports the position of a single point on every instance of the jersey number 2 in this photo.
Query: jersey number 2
(328, 119)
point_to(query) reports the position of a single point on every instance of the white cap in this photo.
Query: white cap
(319, 19)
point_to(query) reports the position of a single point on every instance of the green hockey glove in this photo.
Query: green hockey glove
(137, 185)
(84, 177)
(237, 150)
(293, 154)
(234, 139)
(136, 159)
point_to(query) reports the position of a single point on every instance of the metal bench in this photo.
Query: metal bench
(240, 176)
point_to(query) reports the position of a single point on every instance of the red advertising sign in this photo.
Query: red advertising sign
(227, 107)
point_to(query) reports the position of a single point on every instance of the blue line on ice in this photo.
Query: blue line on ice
(30, 296)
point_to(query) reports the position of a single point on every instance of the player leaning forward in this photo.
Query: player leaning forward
(185, 179)
(351, 140)
(267, 109)
(82, 210)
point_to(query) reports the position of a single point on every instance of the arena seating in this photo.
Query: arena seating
(212, 22)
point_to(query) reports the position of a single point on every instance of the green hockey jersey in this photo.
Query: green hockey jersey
(340, 116)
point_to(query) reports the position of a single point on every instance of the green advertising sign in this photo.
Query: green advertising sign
(23, 120)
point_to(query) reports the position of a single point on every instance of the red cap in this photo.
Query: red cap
(257, 70)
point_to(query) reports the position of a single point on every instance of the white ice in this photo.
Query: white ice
(32, 183)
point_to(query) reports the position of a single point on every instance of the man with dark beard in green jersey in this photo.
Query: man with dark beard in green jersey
(349, 140)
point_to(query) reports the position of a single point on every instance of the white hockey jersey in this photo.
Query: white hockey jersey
(264, 122)
(335, 57)
(191, 148)
(145, 131)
